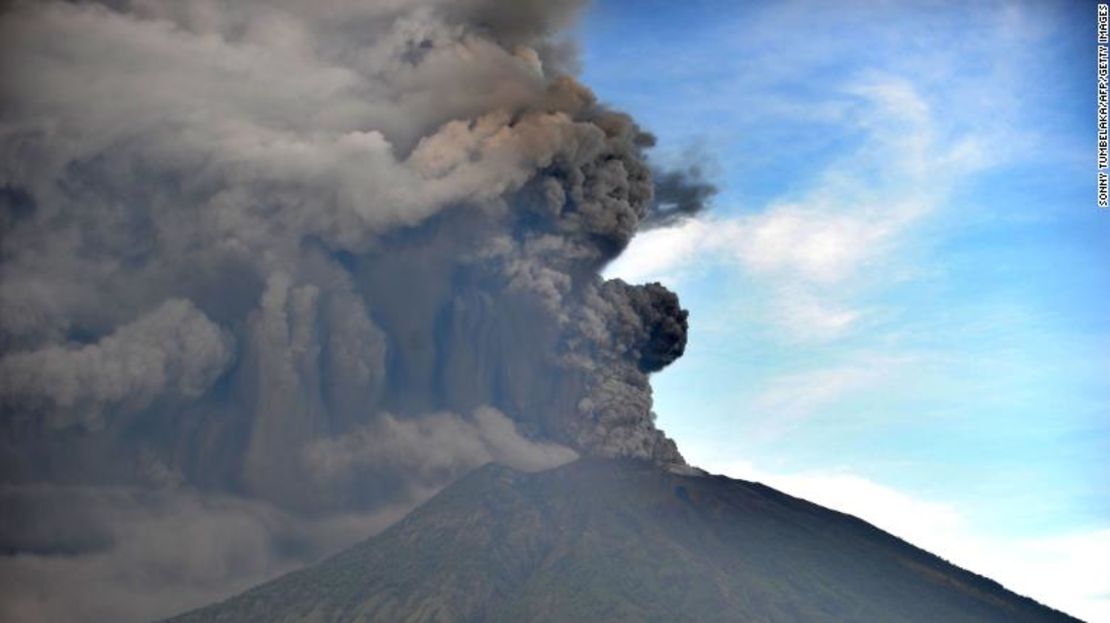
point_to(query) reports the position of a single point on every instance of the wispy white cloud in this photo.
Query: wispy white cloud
(814, 251)
(812, 317)
(1067, 571)
(788, 400)
(811, 251)
(666, 254)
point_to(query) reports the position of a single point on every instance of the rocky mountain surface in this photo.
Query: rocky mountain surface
(608, 540)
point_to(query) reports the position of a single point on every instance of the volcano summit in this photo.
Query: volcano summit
(610, 540)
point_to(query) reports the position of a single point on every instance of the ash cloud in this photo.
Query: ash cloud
(679, 194)
(274, 272)
(172, 354)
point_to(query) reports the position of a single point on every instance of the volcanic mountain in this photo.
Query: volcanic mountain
(612, 540)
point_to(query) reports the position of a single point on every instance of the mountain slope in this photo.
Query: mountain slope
(603, 540)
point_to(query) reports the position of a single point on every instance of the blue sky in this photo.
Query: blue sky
(899, 301)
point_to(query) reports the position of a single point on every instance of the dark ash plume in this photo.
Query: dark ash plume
(679, 194)
(274, 272)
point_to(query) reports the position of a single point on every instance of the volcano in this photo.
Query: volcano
(619, 540)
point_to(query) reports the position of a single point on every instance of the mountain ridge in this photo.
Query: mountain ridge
(621, 540)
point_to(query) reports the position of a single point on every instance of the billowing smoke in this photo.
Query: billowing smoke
(678, 195)
(273, 272)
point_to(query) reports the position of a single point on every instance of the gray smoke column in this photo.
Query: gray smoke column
(274, 272)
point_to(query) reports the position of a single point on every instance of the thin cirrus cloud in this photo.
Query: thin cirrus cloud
(813, 252)
(790, 400)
